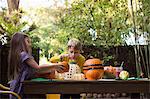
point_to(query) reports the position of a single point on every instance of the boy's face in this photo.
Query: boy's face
(73, 53)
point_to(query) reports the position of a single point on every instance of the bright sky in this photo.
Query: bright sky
(3, 3)
(33, 3)
(39, 3)
(26, 4)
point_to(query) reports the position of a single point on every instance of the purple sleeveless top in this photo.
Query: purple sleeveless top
(27, 72)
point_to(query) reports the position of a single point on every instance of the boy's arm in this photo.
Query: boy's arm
(55, 59)
(60, 58)
(81, 60)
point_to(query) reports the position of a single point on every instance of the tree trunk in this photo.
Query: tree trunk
(13, 5)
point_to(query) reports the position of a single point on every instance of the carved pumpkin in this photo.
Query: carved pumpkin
(85, 70)
(93, 67)
(92, 62)
(94, 74)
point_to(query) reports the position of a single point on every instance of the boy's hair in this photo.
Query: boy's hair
(75, 43)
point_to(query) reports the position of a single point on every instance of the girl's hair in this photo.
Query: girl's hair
(17, 45)
(75, 43)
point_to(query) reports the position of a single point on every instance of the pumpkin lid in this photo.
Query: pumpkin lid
(88, 68)
(93, 62)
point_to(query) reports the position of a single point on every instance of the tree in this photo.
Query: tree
(47, 36)
(107, 19)
(10, 23)
(13, 5)
(140, 14)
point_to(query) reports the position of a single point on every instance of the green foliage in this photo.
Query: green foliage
(107, 18)
(110, 19)
(46, 35)
(139, 15)
(9, 24)
(144, 18)
(107, 58)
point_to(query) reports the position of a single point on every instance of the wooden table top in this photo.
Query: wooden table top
(86, 86)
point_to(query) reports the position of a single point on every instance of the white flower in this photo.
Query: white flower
(3, 39)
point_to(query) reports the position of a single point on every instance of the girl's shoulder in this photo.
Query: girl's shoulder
(24, 55)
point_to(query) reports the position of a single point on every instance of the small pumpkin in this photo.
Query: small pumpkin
(109, 72)
(124, 75)
(50, 75)
(110, 69)
(78, 76)
(65, 65)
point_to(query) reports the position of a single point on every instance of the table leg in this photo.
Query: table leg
(53, 96)
(147, 95)
(34, 96)
(135, 95)
(70, 96)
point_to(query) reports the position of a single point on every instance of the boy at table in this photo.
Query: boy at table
(72, 55)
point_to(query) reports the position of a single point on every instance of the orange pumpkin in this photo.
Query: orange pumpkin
(109, 72)
(94, 61)
(85, 70)
(65, 65)
(95, 66)
(94, 74)
(46, 75)
(51, 75)
(110, 69)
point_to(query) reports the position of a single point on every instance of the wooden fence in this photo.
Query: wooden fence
(119, 54)
(4, 62)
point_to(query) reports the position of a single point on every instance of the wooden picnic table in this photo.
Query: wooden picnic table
(86, 86)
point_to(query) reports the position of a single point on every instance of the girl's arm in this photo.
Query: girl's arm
(45, 68)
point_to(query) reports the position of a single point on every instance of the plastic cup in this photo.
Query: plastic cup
(118, 70)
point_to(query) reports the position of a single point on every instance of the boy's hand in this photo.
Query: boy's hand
(65, 55)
